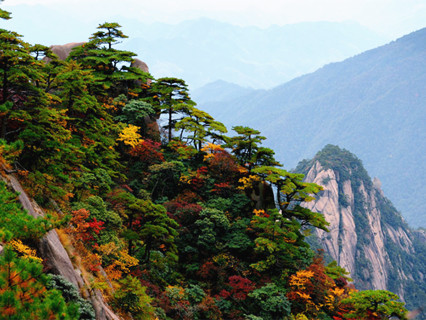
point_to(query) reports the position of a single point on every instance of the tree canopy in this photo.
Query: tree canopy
(166, 227)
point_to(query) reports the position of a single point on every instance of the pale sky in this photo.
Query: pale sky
(393, 18)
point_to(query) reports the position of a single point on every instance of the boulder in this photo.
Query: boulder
(140, 65)
(63, 50)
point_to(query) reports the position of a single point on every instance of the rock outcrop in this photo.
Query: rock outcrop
(63, 50)
(342, 241)
(56, 258)
(140, 65)
(368, 236)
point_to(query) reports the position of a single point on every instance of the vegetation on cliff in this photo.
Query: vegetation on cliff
(171, 222)
(379, 227)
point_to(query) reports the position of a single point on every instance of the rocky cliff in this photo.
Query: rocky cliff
(367, 235)
(57, 259)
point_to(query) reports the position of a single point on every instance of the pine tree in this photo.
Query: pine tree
(147, 223)
(5, 15)
(199, 126)
(93, 131)
(170, 96)
(23, 293)
(18, 72)
(112, 70)
(291, 192)
(246, 147)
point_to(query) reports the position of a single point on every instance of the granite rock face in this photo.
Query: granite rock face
(340, 242)
(367, 235)
(343, 242)
(137, 63)
(56, 258)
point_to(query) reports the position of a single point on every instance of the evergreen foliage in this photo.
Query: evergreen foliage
(379, 304)
(407, 261)
(24, 288)
(23, 293)
(111, 68)
(182, 227)
(17, 224)
(71, 294)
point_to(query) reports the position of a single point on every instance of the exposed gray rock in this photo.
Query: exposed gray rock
(27, 204)
(56, 257)
(376, 251)
(51, 248)
(103, 312)
(342, 242)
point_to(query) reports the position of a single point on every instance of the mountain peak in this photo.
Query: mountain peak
(372, 104)
(368, 236)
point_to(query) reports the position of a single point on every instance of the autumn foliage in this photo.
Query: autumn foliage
(169, 220)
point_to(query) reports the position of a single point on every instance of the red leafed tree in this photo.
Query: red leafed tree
(148, 151)
(79, 222)
(96, 226)
(223, 166)
(223, 189)
(183, 212)
(240, 287)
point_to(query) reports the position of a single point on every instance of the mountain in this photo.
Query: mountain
(202, 51)
(368, 236)
(219, 91)
(102, 217)
(373, 104)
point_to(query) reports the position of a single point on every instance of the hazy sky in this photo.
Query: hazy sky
(390, 17)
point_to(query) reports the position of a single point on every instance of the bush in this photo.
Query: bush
(131, 297)
(71, 294)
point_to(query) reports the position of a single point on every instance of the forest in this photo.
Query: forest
(162, 209)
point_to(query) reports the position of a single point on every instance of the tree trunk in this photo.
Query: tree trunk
(170, 124)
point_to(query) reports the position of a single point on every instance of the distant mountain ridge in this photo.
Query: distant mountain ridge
(368, 236)
(219, 91)
(373, 104)
(202, 51)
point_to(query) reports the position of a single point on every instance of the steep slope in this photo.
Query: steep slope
(367, 235)
(162, 228)
(57, 259)
(373, 104)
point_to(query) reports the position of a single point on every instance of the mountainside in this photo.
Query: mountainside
(219, 91)
(105, 214)
(57, 258)
(368, 236)
(373, 104)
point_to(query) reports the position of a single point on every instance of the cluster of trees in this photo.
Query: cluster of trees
(180, 217)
